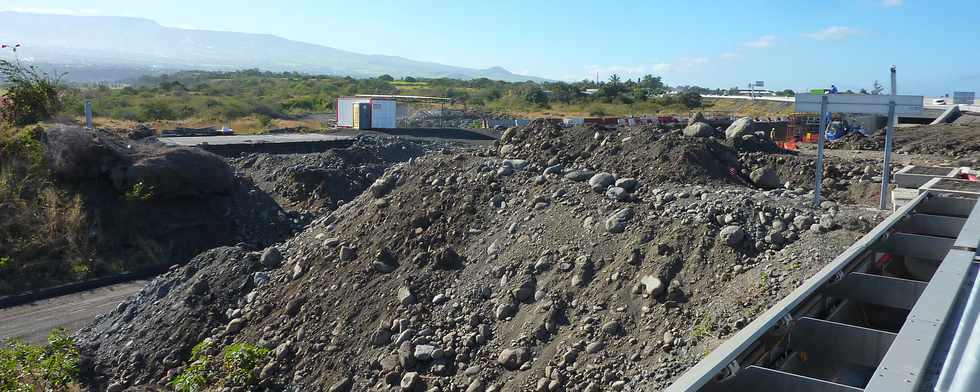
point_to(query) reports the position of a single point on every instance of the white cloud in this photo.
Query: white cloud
(730, 56)
(56, 11)
(686, 63)
(763, 42)
(892, 3)
(833, 33)
(683, 64)
(616, 69)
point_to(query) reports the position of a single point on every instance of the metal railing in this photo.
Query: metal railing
(877, 318)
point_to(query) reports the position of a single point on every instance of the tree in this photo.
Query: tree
(410, 79)
(614, 79)
(653, 83)
(640, 94)
(863, 91)
(386, 78)
(787, 93)
(535, 96)
(563, 92)
(878, 88)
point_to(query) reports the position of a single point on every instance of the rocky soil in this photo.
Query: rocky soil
(578, 259)
(956, 140)
(320, 182)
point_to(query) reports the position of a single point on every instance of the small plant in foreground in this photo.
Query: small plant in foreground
(51, 367)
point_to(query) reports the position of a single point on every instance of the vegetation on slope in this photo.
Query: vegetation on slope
(42, 227)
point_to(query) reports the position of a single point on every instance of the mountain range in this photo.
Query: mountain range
(132, 46)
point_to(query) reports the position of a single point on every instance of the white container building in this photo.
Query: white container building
(383, 112)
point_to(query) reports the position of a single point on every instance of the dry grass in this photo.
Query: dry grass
(43, 229)
(750, 108)
(245, 126)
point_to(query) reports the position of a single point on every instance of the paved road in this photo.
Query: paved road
(336, 135)
(32, 322)
(192, 141)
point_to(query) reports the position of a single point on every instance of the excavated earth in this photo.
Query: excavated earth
(319, 182)
(956, 140)
(578, 259)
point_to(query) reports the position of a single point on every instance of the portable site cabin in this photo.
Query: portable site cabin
(366, 113)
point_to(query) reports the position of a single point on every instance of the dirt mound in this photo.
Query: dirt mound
(194, 294)
(646, 153)
(468, 272)
(953, 140)
(857, 141)
(163, 172)
(321, 182)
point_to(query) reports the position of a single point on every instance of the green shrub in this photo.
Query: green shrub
(241, 361)
(158, 110)
(31, 94)
(139, 192)
(196, 376)
(28, 367)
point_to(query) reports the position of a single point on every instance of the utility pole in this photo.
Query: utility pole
(820, 136)
(886, 167)
(88, 113)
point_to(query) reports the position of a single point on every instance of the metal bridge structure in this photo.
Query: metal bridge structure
(895, 312)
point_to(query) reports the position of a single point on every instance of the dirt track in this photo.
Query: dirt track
(33, 321)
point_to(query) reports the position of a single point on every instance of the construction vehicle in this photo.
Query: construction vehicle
(838, 125)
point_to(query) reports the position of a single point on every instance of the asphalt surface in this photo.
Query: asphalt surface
(468, 136)
(32, 322)
(192, 141)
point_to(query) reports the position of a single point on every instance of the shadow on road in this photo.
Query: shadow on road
(431, 133)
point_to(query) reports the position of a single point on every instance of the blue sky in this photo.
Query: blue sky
(788, 44)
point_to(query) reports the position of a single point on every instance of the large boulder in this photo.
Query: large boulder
(616, 223)
(742, 126)
(765, 177)
(579, 175)
(513, 358)
(600, 181)
(732, 235)
(699, 129)
(382, 186)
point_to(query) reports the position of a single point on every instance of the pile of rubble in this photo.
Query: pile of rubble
(858, 141)
(958, 141)
(320, 182)
(447, 118)
(578, 259)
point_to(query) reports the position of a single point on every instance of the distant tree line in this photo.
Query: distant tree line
(223, 96)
